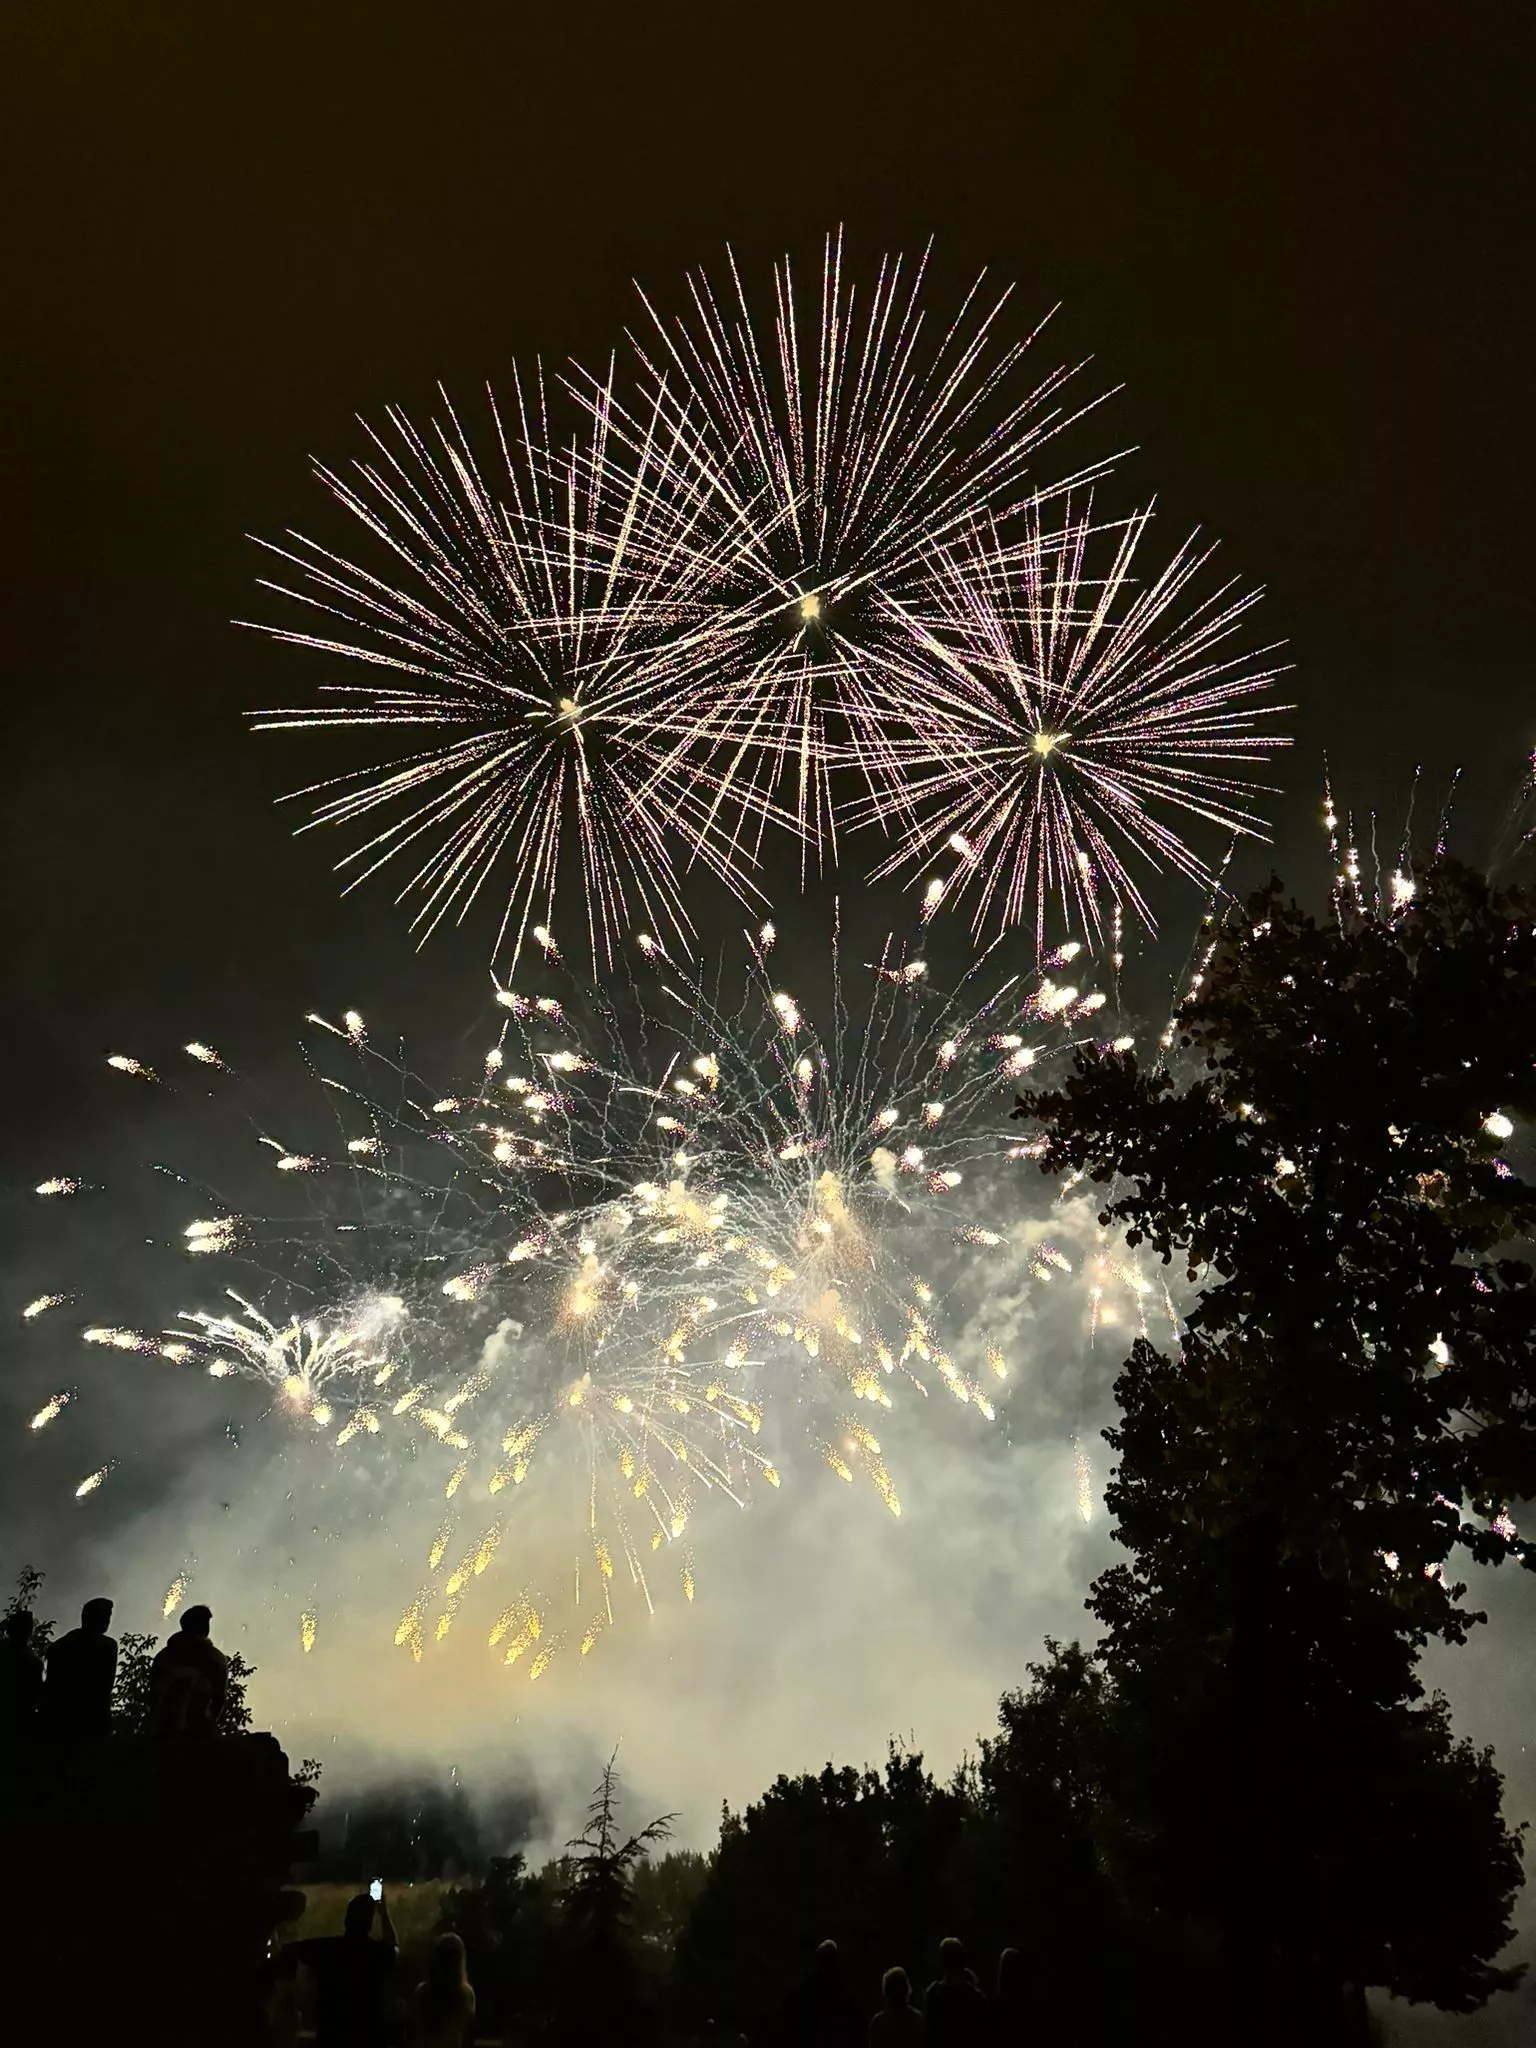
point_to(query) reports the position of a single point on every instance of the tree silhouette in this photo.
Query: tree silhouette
(860, 1857)
(600, 1985)
(507, 1923)
(1029, 1870)
(1355, 1403)
(29, 1583)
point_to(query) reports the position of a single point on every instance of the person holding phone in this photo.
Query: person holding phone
(353, 1975)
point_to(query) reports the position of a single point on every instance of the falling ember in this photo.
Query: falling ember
(54, 1405)
(213, 1234)
(125, 1064)
(122, 1340)
(204, 1054)
(61, 1184)
(1498, 1126)
(307, 1626)
(175, 1593)
(1084, 1473)
(43, 1303)
(92, 1481)
(469, 1286)
(788, 1013)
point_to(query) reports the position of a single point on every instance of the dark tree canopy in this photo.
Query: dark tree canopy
(1332, 1176)
(887, 1863)
(1354, 1403)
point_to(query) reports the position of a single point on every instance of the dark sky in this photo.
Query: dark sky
(1300, 236)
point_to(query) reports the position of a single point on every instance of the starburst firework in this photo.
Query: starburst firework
(834, 449)
(1055, 722)
(532, 615)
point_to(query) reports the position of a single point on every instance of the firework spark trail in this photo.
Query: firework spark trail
(1050, 718)
(312, 1363)
(834, 448)
(646, 1260)
(43, 1303)
(544, 610)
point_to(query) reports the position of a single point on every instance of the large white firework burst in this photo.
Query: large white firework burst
(530, 616)
(835, 446)
(1061, 719)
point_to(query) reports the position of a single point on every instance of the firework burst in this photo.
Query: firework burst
(832, 449)
(530, 616)
(1056, 722)
(642, 1253)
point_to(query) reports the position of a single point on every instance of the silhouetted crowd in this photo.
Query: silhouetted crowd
(58, 1698)
(352, 1974)
(353, 2007)
(954, 2011)
(63, 1693)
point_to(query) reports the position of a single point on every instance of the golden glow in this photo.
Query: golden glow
(810, 607)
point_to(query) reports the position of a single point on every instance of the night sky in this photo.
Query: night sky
(1299, 237)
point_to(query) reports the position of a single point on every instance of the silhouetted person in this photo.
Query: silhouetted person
(955, 2009)
(445, 2001)
(21, 1687)
(898, 2023)
(352, 1975)
(828, 2016)
(189, 1680)
(1012, 1990)
(82, 1666)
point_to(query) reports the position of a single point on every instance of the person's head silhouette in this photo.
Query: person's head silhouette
(358, 1923)
(96, 1617)
(197, 1621)
(896, 1988)
(18, 1626)
(829, 1964)
(952, 1956)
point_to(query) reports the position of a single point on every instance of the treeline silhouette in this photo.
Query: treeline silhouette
(1238, 1812)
